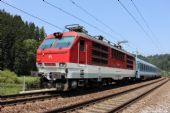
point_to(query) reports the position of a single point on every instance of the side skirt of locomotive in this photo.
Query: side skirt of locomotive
(74, 75)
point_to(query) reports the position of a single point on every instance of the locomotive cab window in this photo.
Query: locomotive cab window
(47, 43)
(64, 42)
(82, 44)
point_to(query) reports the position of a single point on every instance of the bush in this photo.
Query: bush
(8, 77)
(30, 82)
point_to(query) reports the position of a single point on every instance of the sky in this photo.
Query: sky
(115, 23)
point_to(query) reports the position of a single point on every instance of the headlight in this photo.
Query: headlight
(62, 65)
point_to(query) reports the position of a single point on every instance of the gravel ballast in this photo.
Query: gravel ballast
(156, 102)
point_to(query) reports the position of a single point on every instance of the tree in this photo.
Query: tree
(30, 46)
(42, 34)
(37, 33)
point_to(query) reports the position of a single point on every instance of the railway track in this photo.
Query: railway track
(43, 95)
(114, 102)
(35, 95)
(27, 97)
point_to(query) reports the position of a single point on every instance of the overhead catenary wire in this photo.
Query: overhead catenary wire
(139, 12)
(144, 20)
(95, 18)
(138, 23)
(91, 25)
(107, 26)
(68, 13)
(99, 21)
(31, 15)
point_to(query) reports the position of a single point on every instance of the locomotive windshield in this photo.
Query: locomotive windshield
(47, 43)
(64, 42)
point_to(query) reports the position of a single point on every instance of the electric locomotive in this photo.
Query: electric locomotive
(66, 60)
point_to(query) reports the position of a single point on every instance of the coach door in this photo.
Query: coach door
(82, 52)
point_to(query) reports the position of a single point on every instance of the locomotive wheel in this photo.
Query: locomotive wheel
(66, 87)
(59, 86)
(44, 82)
(62, 86)
(73, 84)
(46, 85)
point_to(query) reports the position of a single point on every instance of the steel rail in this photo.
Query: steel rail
(27, 97)
(24, 100)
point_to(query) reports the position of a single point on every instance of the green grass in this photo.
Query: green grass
(10, 83)
(6, 89)
(165, 73)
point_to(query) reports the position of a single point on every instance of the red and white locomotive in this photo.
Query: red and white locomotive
(74, 58)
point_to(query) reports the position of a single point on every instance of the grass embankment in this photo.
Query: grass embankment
(10, 83)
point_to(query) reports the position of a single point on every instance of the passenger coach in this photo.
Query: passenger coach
(146, 70)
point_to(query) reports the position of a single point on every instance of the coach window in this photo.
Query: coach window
(82, 45)
(142, 67)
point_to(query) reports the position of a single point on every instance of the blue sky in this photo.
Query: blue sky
(110, 12)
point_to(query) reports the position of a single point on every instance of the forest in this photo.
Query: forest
(19, 41)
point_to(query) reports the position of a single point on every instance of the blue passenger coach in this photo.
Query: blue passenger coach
(146, 70)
